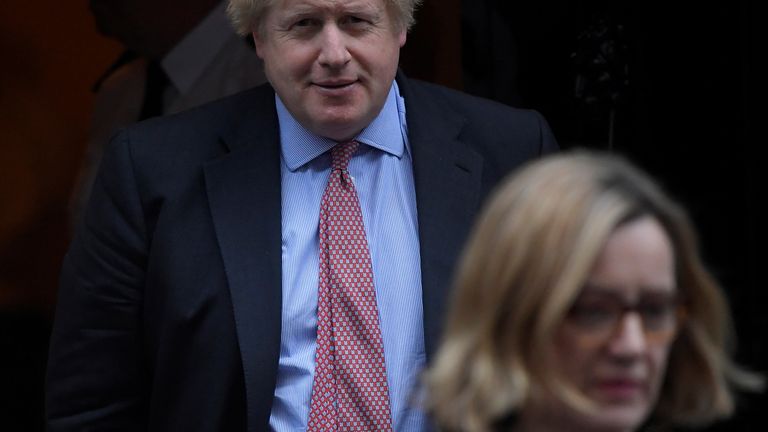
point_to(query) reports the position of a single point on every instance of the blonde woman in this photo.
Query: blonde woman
(581, 304)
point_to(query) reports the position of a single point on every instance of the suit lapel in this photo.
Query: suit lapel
(245, 207)
(447, 176)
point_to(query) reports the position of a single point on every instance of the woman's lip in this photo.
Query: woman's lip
(619, 389)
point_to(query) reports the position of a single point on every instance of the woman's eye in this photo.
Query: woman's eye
(591, 314)
(657, 313)
(653, 310)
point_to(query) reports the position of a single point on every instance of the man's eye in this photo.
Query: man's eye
(353, 20)
(306, 22)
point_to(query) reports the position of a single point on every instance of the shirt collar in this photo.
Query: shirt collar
(187, 61)
(386, 132)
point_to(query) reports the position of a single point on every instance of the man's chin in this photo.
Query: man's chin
(339, 125)
(337, 131)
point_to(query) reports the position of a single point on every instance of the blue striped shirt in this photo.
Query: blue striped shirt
(383, 175)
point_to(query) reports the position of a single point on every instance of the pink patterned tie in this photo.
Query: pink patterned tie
(350, 391)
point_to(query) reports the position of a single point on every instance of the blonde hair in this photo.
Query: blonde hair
(247, 15)
(526, 261)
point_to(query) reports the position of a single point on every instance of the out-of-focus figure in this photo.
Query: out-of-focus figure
(179, 54)
(581, 304)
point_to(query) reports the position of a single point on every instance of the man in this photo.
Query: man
(227, 278)
(179, 54)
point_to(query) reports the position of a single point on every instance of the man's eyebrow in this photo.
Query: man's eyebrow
(297, 11)
(307, 10)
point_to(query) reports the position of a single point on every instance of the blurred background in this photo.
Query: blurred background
(52, 55)
(675, 87)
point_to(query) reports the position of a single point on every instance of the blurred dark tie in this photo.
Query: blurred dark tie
(154, 87)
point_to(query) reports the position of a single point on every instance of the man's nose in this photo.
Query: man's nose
(629, 338)
(334, 52)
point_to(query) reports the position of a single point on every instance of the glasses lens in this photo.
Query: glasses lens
(598, 318)
(594, 315)
(660, 320)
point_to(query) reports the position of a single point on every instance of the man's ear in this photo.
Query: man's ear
(402, 37)
(258, 44)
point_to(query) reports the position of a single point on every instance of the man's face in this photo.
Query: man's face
(332, 62)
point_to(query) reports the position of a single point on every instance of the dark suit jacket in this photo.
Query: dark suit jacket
(170, 300)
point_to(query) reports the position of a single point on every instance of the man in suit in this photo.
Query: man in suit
(195, 295)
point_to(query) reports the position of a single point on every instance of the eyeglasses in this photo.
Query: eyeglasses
(597, 318)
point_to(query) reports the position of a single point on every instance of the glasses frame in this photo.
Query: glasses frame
(603, 332)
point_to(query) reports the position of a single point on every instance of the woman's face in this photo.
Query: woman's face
(614, 343)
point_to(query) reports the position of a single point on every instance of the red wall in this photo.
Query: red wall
(51, 55)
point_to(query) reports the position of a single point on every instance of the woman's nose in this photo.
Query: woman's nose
(629, 338)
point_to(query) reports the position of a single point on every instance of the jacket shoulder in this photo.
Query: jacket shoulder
(216, 115)
(467, 105)
(484, 123)
(200, 132)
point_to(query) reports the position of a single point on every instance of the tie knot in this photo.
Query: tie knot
(342, 153)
